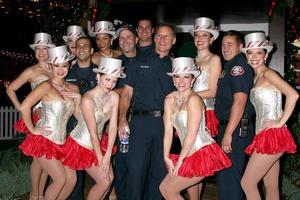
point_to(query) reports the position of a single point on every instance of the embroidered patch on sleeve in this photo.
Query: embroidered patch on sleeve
(237, 71)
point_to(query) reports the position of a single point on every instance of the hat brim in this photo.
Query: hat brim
(214, 33)
(33, 46)
(268, 48)
(96, 70)
(112, 33)
(196, 73)
(65, 37)
(67, 59)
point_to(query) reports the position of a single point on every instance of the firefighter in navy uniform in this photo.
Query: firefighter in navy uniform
(82, 75)
(234, 111)
(147, 84)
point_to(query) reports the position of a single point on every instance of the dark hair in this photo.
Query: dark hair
(145, 18)
(171, 26)
(239, 37)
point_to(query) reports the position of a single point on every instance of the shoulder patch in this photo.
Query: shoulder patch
(237, 71)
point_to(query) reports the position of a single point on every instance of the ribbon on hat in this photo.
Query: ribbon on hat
(258, 44)
(206, 27)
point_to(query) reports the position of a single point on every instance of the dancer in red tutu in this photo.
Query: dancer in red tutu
(59, 100)
(272, 137)
(34, 74)
(200, 156)
(205, 32)
(84, 150)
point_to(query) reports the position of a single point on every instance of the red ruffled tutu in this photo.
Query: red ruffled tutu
(21, 127)
(38, 146)
(78, 157)
(104, 143)
(272, 141)
(212, 122)
(204, 162)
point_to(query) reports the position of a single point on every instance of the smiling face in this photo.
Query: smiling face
(41, 53)
(127, 41)
(183, 82)
(60, 70)
(83, 49)
(164, 39)
(104, 41)
(145, 30)
(71, 43)
(203, 39)
(107, 82)
(230, 47)
(256, 57)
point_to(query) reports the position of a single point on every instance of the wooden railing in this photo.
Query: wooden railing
(8, 116)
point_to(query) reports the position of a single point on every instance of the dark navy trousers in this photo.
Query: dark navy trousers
(146, 167)
(229, 180)
(121, 171)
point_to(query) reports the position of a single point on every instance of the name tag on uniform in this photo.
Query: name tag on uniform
(144, 66)
(71, 80)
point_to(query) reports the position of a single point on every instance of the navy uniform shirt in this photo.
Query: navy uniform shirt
(126, 62)
(237, 76)
(85, 78)
(148, 76)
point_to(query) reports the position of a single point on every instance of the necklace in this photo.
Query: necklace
(107, 56)
(58, 87)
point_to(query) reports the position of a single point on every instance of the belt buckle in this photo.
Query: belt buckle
(156, 113)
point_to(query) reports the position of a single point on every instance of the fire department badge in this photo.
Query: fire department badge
(237, 71)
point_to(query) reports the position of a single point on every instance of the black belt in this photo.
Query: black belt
(223, 122)
(153, 113)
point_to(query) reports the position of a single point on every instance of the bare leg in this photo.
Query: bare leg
(71, 180)
(195, 191)
(35, 174)
(172, 185)
(101, 188)
(56, 171)
(257, 167)
(42, 184)
(271, 181)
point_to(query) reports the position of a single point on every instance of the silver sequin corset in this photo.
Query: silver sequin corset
(179, 121)
(34, 85)
(56, 114)
(81, 133)
(201, 83)
(267, 104)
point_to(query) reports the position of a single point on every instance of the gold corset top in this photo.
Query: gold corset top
(179, 121)
(56, 114)
(267, 103)
(201, 83)
(81, 133)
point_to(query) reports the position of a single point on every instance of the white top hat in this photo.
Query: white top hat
(257, 40)
(42, 39)
(73, 31)
(183, 65)
(110, 66)
(59, 55)
(205, 24)
(104, 27)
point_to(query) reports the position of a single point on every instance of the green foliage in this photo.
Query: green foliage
(292, 161)
(291, 167)
(14, 174)
(289, 190)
